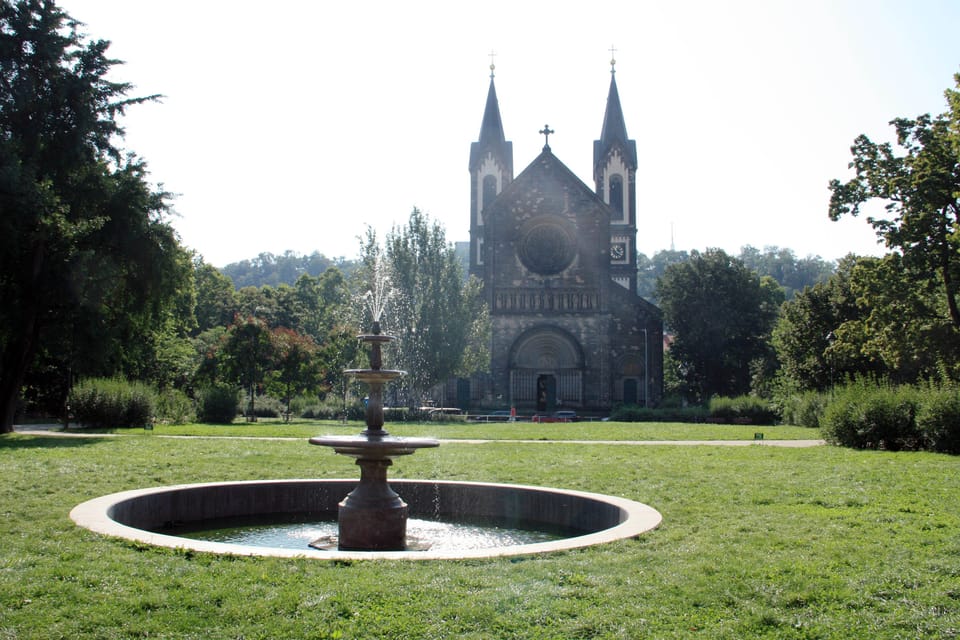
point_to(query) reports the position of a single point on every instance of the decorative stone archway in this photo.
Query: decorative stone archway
(546, 370)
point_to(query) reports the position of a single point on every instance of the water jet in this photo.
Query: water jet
(372, 518)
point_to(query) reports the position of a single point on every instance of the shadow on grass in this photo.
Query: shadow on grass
(17, 441)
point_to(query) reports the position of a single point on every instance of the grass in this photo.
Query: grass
(497, 431)
(756, 542)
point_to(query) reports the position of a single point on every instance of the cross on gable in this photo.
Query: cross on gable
(545, 132)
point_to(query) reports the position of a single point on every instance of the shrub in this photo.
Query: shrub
(113, 402)
(174, 407)
(332, 409)
(398, 414)
(299, 405)
(218, 404)
(938, 420)
(742, 410)
(636, 413)
(804, 409)
(866, 415)
(266, 407)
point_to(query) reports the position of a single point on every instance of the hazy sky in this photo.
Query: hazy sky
(293, 125)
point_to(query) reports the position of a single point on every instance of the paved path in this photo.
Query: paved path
(53, 430)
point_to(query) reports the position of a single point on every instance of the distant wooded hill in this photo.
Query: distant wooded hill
(782, 265)
(791, 272)
(268, 269)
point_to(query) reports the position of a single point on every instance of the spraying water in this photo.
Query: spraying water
(380, 291)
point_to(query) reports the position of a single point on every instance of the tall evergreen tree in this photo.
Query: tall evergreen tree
(88, 263)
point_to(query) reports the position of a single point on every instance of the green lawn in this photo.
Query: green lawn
(499, 431)
(756, 542)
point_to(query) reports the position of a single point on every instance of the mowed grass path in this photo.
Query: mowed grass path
(756, 542)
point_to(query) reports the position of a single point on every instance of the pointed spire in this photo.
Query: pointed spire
(492, 128)
(614, 127)
(492, 137)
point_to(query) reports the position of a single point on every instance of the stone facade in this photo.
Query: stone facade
(558, 263)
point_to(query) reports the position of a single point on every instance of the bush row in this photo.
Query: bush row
(636, 413)
(742, 410)
(864, 415)
(114, 402)
(739, 410)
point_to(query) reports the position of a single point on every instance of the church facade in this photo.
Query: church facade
(558, 262)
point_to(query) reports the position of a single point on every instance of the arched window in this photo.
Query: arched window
(616, 196)
(489, 193)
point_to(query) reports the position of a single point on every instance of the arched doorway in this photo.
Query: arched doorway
(630, 387)
(546, 370)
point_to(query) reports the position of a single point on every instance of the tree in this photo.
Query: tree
(89, 266)
(262, 302)
(322, 302)
(782, 265)
(721, 315)
(295, 365)
(870, 319)
(440, 320)
(248, 356)
(216, 298)
(805, 336)
(904, 330)
(921, 189)
(649, 270)
(324, 314)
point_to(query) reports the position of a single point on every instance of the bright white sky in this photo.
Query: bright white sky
(292, 125)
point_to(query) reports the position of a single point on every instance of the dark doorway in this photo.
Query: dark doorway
(463, 393)
(546, 393)
(630, 391)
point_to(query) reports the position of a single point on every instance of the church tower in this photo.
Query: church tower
(557, 259)
(491, 170)
(614, 173)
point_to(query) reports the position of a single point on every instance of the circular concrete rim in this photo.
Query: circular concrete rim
(93, 515)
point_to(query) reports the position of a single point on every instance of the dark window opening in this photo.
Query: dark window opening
(616, 196)
(489, 192)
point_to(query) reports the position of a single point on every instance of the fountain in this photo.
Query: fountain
(373, 517)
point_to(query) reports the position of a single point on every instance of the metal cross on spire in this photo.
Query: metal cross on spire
(613, 59)
(545, 132)
(492, 66)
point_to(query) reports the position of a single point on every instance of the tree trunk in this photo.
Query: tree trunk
(19, 350)
(16, 358)
(946, 259)
(951, 298)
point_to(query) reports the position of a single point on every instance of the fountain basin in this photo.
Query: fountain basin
(141, 513)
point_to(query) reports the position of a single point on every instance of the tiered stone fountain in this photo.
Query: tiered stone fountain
(373, 517)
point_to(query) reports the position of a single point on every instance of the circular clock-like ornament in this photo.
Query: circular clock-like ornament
(546, 246)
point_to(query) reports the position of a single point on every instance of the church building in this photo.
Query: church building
(558, 262)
